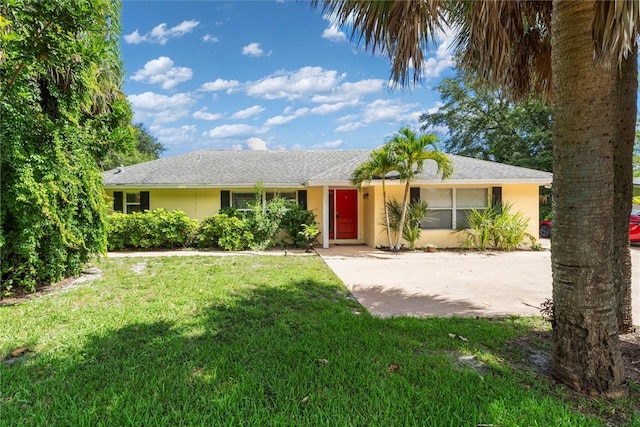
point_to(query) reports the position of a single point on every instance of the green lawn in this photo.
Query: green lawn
(262, 341)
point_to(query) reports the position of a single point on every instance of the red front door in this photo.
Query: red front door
(346, 214)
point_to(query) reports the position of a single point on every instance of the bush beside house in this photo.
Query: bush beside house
(230, 230)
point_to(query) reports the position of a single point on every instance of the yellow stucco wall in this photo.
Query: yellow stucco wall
(198, 203)
(522, 197)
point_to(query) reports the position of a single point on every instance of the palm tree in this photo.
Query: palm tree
(548, 48)
(412, 151)
(381, 161)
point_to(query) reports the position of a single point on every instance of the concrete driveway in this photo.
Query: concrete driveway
(451, 282)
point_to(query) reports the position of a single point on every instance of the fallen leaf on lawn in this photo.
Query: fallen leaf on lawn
(322, 361)
(305, 399)
(18, 351)
(393, 368)
(452, 336)
(463, 339)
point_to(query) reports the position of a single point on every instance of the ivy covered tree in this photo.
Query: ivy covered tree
(61, 112)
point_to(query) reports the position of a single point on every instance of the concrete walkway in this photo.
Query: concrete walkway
(451, 282)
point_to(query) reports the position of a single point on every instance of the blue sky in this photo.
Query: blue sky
(255, 75)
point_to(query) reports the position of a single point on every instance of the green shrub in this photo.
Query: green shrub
(158, 228)
(264, 220)
(494, 227)
(294, 221)
(232, 232)
(205, 236)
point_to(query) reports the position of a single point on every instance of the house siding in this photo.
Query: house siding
(522, 197)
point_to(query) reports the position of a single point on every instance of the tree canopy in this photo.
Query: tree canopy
(482, 122)
(147, 148)
(62, 110)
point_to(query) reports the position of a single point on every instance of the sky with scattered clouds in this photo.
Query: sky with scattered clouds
(256, 75)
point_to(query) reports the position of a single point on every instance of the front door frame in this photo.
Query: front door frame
(329, 214)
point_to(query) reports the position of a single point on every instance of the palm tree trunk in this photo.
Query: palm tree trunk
(403, 216)
(386, 213)
(585, 351)
(623, 141)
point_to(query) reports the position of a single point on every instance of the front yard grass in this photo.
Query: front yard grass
(262, 341)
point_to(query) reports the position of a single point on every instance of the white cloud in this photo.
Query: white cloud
(134, 38)
(232, 131)
(390, 111)
(174, 136)
(349, 127)
(161, 71)
(256, 144)
(306, 81)
(248, 112)
(334, 34)
(203, 114)
(160, 34)
(332, 108)
(254, 50)
(442, 60)
(149, 106)
(210, 39)
(282, 120)
(220, 84)
(348, 92)
(329, 144)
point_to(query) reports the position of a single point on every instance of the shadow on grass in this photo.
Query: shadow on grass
(385, 301)
(301, 355)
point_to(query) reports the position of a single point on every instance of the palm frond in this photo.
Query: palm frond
(400, 29)
(507, 42)
(616, 25)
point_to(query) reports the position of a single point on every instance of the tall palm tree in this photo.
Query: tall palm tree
(412, 151)
(549, 47)
(381, 161)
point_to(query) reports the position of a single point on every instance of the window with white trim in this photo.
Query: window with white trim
(241, 201)
(449, 207)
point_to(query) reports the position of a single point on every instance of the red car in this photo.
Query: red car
(634, 227)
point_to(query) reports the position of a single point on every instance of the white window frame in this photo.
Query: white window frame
(266, 195)
(454, 205)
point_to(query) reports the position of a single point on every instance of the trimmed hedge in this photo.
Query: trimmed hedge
(158, 228)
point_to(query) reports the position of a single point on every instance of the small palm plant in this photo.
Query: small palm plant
(494, 227)
(417, 212)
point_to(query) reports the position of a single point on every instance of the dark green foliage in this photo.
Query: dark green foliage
(482, 123)
(205, 236)
(61, 110)
(294, 221)
(158, 228)
(147, 148)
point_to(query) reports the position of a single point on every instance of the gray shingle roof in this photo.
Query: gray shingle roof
(291, 168)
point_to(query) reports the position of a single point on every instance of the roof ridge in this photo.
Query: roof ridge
(367, 153)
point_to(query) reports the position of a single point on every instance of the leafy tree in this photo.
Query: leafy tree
(583, 55)
(485, 124)
(147, 148)
(62, 110)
